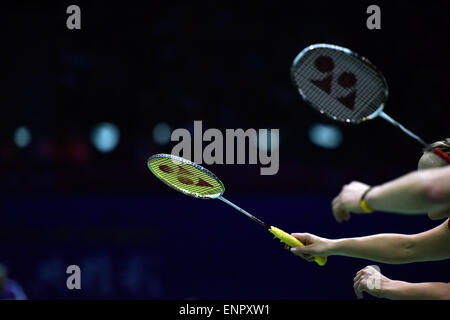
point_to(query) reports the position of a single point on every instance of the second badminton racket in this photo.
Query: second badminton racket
(345, 86)
(194, 180)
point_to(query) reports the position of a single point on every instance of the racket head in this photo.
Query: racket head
(186, 176)
(339, 83)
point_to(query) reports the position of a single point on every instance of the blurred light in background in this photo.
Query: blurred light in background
(105, 137)
(162, 133)
(325, 136)
(22, 137)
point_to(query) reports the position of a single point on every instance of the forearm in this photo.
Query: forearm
(412, 193)
(385, 248)
(400, 290)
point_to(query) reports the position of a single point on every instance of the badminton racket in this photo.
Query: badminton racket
(194, 180)
(345, 87)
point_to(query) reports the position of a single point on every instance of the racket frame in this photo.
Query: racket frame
(347, 51)
(377, 113)
(176, 159)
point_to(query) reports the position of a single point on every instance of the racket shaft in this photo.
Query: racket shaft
(398, 125)
(244, 212)
(280, 234)
(437, 151)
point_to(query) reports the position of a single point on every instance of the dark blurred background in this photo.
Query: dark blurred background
(84, 109)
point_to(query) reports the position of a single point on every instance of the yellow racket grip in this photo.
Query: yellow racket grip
(293, 242)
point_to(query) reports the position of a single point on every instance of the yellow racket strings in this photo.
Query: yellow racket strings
(186, 176)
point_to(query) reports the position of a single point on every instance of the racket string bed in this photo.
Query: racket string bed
(339, 111)
(370, 84)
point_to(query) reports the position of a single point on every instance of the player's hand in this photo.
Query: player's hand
(348, 201)
(370, 280)
(314, 246)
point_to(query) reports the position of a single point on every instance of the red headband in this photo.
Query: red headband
(442, 154)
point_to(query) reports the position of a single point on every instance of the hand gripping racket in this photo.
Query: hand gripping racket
(344, 86)
(196, 181)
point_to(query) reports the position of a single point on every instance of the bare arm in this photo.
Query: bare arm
(417, 192)
(385, 248)
(431, 245)
(414, 193)
(400, 290)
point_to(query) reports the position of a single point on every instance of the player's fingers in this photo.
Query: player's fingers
(334, 201)
(357, 277)
(355, 286)
(304, 238)
(309, 257)
(361, 272)
(306, 256)
(341, 214)
(358, 287)
(336, 213)
(346, 215)
(362, 287)
(309, 249)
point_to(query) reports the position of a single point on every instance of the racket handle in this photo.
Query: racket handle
(294, 242)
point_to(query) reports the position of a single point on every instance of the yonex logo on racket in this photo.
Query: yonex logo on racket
(346, 80)
(184, 176)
